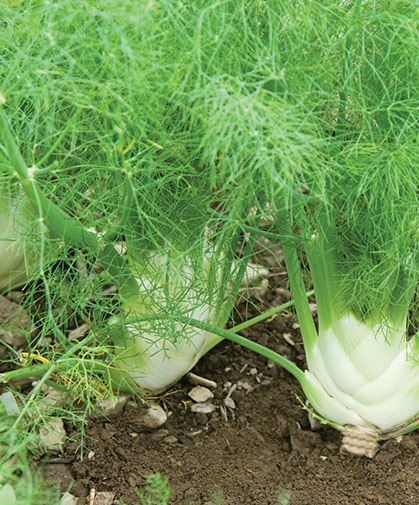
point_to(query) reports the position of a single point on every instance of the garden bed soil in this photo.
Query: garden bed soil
(262, 452)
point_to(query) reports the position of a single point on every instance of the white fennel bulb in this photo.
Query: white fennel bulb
(13, 226)
(157, 352)
(366, 373)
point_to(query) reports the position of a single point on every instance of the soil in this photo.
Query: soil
(262, 452)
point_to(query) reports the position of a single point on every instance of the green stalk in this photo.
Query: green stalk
(346, 76)
(59, 223)
(321, 258)
(298, 289)
(265, 315)
(233, 337)
(232, 297)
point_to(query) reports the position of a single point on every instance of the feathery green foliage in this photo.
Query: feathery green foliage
(152, 125)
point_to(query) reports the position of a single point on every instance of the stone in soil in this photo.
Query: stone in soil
(111, 407)
(14, 323)
(200, 394)
(203, 408)
(151, 417)
(53, 436)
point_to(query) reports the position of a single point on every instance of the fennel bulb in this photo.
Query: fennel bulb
(158, 350)
(13, 221)
(364, 375)
(363, 369)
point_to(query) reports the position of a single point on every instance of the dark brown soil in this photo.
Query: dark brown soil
(263, 453)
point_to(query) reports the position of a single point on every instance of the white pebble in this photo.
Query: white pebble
(52, 438)
(203, 408)
(229, 402)
(152, 417)
(200, 394)
(201, 381)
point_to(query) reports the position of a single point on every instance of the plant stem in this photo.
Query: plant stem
(268, 313)
(298, 289)
(59, 223)
(230, 335)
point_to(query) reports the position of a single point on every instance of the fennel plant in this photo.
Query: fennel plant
(169, 124)
(110, 170)
(342, 188)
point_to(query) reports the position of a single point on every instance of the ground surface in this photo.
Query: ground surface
(261, 452)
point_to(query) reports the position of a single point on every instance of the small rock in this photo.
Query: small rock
(288, 339)
(152, 417)
(201, 381)
(159, 434)
(104, 498)
(7, 494)
(78, 332)
(68, 499)
(254, 272)
(229, 402)
(53, 398)
(200, 394)
(52, 438)
(14, 323)
(9, 404)
(253, 371)
(244, 385)
(15, 296)
(315, 424)
(171, 439)
(284, 293)
(111, 407)
(203, 408)
(132, 481)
